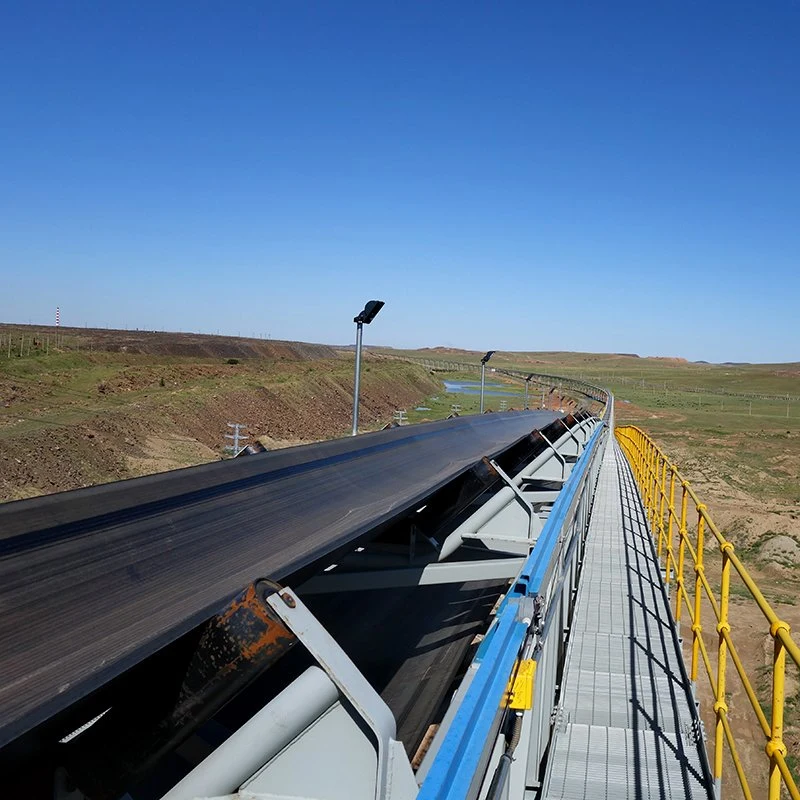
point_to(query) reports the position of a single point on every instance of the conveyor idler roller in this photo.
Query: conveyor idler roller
(234, 648)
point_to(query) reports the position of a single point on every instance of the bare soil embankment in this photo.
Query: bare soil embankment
(138, 404)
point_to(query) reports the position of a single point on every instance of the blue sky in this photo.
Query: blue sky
(616, 176)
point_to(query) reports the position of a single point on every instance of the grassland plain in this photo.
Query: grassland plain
(501, 394)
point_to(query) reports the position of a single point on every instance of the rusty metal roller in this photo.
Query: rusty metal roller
(234, 648)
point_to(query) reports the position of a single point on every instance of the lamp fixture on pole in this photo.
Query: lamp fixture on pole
(483, 373)
(369, 313)
(527, 383)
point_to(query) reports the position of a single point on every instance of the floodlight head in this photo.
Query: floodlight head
(488, 356)
(370, 311)
(529, 377)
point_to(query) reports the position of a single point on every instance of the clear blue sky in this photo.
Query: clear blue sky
(599, 176)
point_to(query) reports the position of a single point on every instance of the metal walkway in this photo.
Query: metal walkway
(626, 726)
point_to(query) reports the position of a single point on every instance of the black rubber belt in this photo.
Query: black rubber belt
(95, 580)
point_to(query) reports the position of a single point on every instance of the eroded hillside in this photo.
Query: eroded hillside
(74, 418)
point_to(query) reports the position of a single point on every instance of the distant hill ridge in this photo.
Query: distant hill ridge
(187, 345)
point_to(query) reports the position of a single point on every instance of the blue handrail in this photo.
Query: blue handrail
(456, 769)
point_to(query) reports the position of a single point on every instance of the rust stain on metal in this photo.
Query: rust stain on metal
(249, 600)
(288, 599)
(489, 468)
(255, 631)
(275, 638)
(424, 746)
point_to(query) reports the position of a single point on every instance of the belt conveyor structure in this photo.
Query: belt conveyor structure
(466, 609)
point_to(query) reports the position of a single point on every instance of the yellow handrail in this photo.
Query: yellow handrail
(657, 479)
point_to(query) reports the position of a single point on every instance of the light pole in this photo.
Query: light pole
(527, 383)
(483, 373)
(369, 313)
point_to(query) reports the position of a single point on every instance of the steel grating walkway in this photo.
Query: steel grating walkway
(626, 726)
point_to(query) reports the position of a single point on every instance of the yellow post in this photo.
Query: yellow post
(682, 533)
(723, 627)
(653, 482)
(653, 489)
(662, 498)
(642, 457)
(656, 489)
(670, 517)
(697, 628)
(776, 743)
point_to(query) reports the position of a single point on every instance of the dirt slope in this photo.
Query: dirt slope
(72, 419)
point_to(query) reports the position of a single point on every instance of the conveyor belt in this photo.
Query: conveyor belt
(95, 580)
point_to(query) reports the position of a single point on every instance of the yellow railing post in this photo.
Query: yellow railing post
(682, 533)
(653, 488)
(670, 517)
(662, 496)
(723, 627)
(656, 489)
(697, 628)
(639, 460)
(776, 743)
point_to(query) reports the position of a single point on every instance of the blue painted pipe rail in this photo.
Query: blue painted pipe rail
(457, 770)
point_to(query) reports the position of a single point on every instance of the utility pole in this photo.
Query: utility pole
(483, 374)
(237, 436)
(369, 313)
(357, 378)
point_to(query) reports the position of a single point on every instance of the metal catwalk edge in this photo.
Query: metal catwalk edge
(625, 726)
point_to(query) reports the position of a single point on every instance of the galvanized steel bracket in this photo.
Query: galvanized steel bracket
(395, 777)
